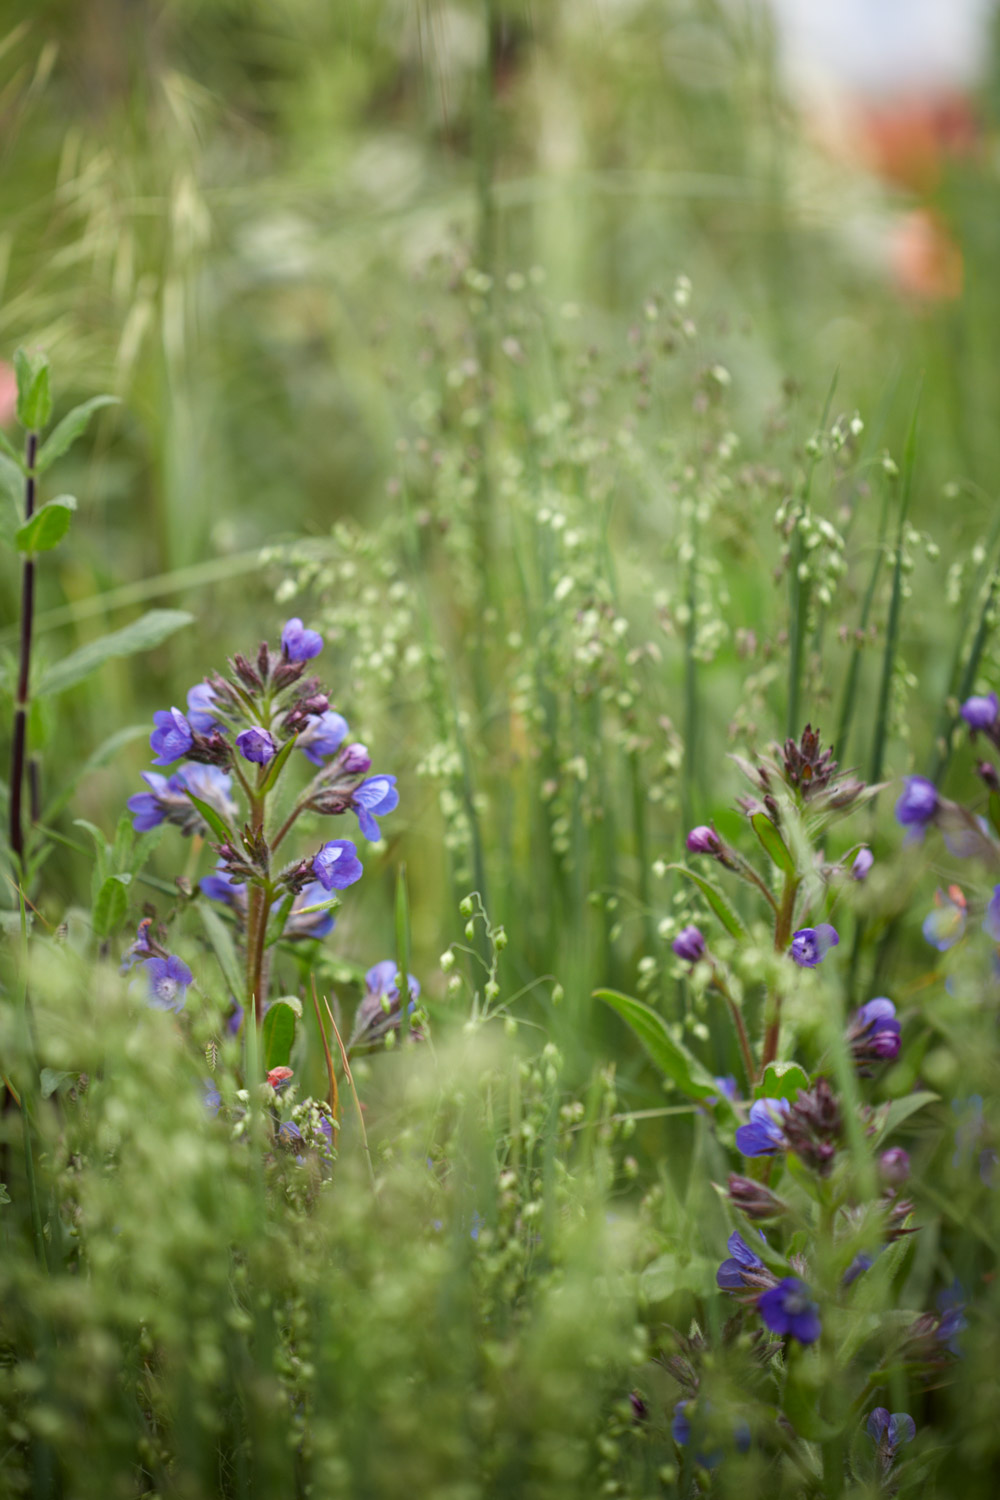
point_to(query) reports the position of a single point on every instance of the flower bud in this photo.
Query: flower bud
(703, 840)
(689, 944)
(355, 760)
(754, 1199)
(894, 1165)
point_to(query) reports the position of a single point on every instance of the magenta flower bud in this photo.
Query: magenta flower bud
(894, 1165)
(355, 760)
(257, 745)
(703, 840)
(689, 945)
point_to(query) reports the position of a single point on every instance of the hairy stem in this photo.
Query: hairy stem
(20, 735)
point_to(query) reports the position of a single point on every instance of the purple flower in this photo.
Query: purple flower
(376, 795)
(703, 840)
(221, 886)
(764, 1134)
(256, 744)
(811, 944)
(894, 1165)
(918, 803)
(298, 643)
(788, 1308)
(355, 760)
(234, 1020)
(168, 981)
(172, 737)
(730, 1275)
(952, 1320)
(141, 948)
(323, 735)
(863, 861)
(148, 808)
(981, 713)
(689, 945)
(889, 1433)
(680, 1427)
(303, 923)
(728, 1088)
(861, 1263)
(211, 1095)
(991, 918)
(944, 924)
(873, 1035)
(379, 1011)
(337, 865)
(199, 701)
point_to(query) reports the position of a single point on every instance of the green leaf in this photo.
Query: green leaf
(100, 757)
(672, 1058)
(34, 399)
(4, 1195)
(11, 477)
(101, 849)
(219, 936)
(995, 810)
(672, 1273)
(901, 1109)
(274, 770)
(148, 631)
(47, 526)
(716, 901)
(110, 907)
(782, 1080)
(804, 1389)
(211, 817)
(277, 1035)
(62, 438)
(773, 844)
(7, 448)
(51, 1080)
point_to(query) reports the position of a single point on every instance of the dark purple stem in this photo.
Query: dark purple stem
(24, 668)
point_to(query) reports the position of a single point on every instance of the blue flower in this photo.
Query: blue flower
(211, 1095)
(168, 981)
(890, 1432)
(167, 798)
(298, 643)
(148, 807)
(376, 795)
(200, 699)
(257, 745)
(991, 919)
(730, 1275)
(379, 1011)
(944, 925)
(918, 803)
(323, 735)
(981, 713)
(141, 948)
(952, 1320)
(863, 861)
(862, 1262)
(680, 1427)
(221, 886)
(337, 865)
(789, 1308)
(764, 1134)
(303, 923)
(172, 737)
(810, 945)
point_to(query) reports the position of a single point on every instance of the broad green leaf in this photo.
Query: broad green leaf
(110, 907)
(11, 477)
(10, 452)
(277, 765)
(672, 1273)
(101, 850)
(277, 1035)
(773, 844)
(672, 1058)
(222, 944)
(782, 1080)
(47, 526)
(62, 437)
(211, 817)
(148, 631)
(34, 399)
(716, 901)
(901, 1109)
(51, 1080)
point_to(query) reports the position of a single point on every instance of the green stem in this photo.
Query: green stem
(741, 1031)
(782, 936)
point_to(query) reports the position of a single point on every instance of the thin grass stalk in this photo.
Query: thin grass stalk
(403, 950)
(946, 722)
(854, 670)
(895, 608)
(20, 732)
(354, 1095)
(798, 588)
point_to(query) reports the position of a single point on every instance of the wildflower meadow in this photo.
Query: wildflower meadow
(499, 670)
